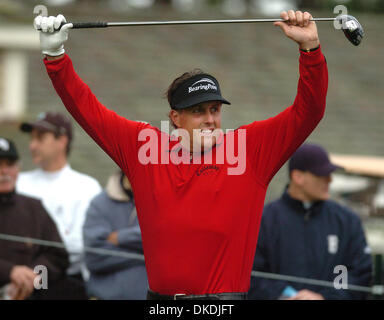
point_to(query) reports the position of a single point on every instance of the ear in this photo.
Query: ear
(63, 141)
(175, 117)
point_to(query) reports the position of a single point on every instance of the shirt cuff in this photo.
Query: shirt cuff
(55, 65)
(312, 58)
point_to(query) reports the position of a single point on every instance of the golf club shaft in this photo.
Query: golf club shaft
(80, 25)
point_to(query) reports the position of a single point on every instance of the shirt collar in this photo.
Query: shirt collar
(54, 174)
(298, 204)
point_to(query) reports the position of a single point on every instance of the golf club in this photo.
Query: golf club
(349, 24)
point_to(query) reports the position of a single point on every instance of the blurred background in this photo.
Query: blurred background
(129, 70)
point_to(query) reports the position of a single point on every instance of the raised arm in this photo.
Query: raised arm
(116, 135)
(271, 142)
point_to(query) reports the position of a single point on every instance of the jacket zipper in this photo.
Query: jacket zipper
(307, 215)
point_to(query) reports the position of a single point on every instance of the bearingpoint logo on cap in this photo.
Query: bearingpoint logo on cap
(210, 85)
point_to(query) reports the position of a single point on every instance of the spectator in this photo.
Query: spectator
(65, 193)
(111, 223)
(25, 217)
(307, 235)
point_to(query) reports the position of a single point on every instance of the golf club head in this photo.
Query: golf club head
(351, 28)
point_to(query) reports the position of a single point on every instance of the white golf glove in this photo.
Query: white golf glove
(51, 38)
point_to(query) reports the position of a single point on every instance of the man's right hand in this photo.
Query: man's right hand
(299, 27)
(51, 38)
(22, 278)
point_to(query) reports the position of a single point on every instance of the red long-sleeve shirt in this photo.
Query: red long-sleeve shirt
(199, 224)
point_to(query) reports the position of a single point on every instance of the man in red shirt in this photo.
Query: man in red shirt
(199, 206)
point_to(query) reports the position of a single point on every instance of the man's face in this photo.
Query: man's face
(9, 170)
(315, 188)
(200, 121)
(45, 147)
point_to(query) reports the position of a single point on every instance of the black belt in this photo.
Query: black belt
(212, 296)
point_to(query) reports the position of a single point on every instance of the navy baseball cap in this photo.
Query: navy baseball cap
(312, 158)
(197, 89)
(8, 149)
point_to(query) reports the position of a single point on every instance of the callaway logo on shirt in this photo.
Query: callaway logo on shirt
(206, 169)
(209, 86)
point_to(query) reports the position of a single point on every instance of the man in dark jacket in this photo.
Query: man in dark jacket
(25, 217)
(305, 234)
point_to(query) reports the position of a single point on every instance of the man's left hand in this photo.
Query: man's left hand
(307, 295)
(299, 28)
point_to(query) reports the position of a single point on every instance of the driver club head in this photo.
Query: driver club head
(351, 28)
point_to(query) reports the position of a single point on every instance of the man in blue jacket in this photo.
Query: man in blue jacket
(112, 224)
(304, 234)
